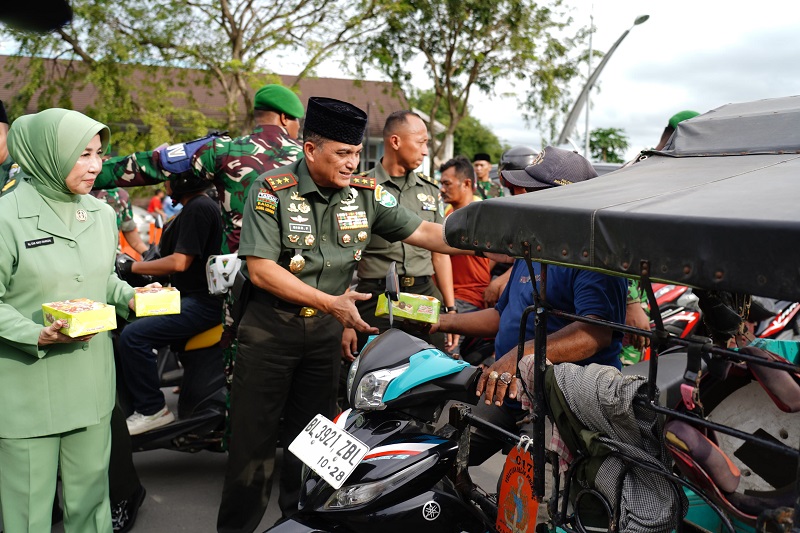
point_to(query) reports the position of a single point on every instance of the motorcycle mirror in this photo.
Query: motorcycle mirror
(392, 288)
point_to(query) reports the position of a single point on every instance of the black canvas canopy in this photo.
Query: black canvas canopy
(719, 208)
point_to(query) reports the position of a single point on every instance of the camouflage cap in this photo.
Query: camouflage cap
(278, 98)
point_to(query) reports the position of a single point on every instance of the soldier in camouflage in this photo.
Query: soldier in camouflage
(120, 202)
(232, 165)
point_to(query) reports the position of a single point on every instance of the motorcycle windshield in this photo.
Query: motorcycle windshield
(424, 366)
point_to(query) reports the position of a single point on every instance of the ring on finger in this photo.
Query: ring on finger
(493, 375)
(506, 378)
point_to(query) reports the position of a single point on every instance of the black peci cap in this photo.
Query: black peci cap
(335, 120)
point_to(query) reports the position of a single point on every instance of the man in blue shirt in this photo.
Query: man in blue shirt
(575, 291)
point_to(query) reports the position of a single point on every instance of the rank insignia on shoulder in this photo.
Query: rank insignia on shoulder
(428, 179)
(364, 183)
(282, 181)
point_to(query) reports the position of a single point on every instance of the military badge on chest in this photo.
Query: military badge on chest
(352, 220)
(428, 202)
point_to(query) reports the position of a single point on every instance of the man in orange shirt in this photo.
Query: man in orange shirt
(471, 274)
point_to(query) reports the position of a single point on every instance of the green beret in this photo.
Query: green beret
(677, 118)
(278, 98)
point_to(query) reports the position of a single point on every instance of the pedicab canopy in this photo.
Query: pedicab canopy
(718, 208)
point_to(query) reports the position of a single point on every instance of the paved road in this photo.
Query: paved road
(183, 490)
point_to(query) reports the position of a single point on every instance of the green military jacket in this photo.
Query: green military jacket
(59, 387)
(288, 215)
(419, 194)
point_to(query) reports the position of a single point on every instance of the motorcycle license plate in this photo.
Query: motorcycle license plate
(328, 450)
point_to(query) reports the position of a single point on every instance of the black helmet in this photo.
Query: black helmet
(517, 158)
(187, 182)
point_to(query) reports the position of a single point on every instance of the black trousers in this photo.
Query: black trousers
(285, 365)
(366, 309)
(123, 480)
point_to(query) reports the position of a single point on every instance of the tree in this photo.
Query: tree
(480, 44)
(236, 44)
(469, 137)
(608, 144)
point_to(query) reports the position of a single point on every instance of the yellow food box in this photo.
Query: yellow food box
(153, 301)
(83, 316)
(409, 306)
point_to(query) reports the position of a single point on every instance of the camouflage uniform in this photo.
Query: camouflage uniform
(630, 355)
(489, 189)
(233, 166)
(120, 202)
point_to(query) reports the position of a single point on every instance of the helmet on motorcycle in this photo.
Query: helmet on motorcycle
(185, 183)
(517, 158)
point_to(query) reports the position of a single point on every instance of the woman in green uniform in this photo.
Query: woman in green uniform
(56, 392)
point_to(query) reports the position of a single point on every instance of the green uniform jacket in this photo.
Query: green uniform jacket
(419, 194)
(286, 215)
(58, 387)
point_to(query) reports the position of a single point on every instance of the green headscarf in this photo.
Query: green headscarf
(47, 144)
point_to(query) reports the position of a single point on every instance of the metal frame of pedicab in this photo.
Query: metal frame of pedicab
(729, 131)
(660, 339)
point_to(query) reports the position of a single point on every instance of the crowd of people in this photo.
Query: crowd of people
(304, 220)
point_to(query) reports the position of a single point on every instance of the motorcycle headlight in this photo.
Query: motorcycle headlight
(354, 495)
(369, 394)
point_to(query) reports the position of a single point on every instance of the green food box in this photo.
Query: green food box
(83, 316)
(154, 301)
(411, 307)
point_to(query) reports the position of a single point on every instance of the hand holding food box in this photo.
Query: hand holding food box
(82, 315)
(417, 307)
(153, 301)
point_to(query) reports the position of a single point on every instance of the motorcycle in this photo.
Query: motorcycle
(195, 365)
(397, 466)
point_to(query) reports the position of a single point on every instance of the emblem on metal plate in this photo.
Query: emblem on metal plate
(431, 511)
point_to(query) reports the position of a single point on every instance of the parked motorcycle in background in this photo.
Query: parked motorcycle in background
(195, 365)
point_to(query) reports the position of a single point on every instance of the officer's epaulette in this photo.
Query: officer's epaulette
(8, 186)
(281, 181)
(363, 182)
(429, 179)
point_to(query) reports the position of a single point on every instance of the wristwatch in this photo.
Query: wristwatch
(450, 309)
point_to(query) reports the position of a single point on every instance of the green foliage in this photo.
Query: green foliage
(470, 136)
(112, 47)
(608, 144)
(483, 45)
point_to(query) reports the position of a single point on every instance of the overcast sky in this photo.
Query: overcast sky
(698, 55)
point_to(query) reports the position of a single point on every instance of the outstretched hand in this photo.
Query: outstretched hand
(344, 310)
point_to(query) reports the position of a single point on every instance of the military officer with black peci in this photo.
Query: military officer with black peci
(405, 139)
(304, 230)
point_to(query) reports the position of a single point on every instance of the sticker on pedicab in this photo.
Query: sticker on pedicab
(516, 506)
(384, 197)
